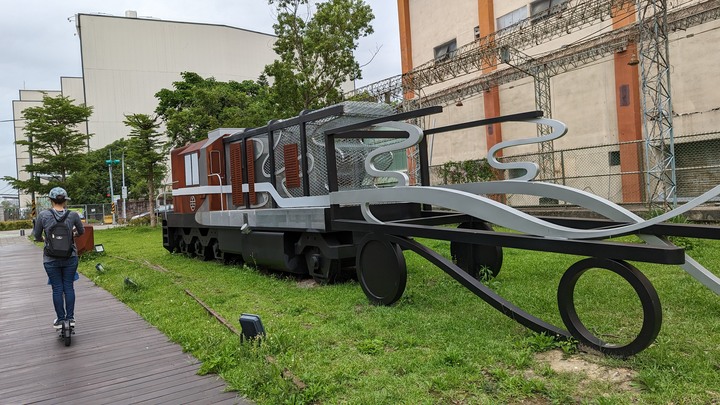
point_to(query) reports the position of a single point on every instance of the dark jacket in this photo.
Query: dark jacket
(47, 219)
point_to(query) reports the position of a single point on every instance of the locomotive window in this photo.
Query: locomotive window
(192, 173)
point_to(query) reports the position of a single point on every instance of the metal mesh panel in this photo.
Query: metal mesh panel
(697, 164)
(283, 137)
(349, 153)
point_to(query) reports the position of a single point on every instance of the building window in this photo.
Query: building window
(544, 8)
(624, 95)
(511, 18)
(445, 51)
(614, 158)
(192, 170)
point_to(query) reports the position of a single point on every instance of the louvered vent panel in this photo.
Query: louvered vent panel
(292, 165)
(236, 173)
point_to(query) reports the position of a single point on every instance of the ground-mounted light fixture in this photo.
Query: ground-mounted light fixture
(131, 283)
(99, 267)
(252, 326)
(99, 248)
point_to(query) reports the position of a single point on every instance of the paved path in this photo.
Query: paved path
(115, 357)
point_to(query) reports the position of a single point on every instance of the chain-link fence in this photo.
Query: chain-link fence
(15, 214)
(89, 213)
(618, 172)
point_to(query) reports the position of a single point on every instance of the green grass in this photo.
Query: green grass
(439, 344)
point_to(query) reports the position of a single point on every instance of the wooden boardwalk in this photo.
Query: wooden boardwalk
(115, 357)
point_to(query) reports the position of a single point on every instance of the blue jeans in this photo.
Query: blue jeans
(61, 273)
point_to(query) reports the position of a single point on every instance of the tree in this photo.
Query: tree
(54, 142)
(7, 204)
(316, 52)
(197, 106)
(91, 184)
(146, 151)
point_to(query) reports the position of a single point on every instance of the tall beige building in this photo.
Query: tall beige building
(452, 52)
(126, 60)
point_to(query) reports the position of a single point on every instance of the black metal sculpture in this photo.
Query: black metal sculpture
(315, 195)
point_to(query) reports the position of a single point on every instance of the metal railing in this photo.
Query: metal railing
(94, 214)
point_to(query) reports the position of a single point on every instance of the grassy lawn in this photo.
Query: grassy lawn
(438, 345)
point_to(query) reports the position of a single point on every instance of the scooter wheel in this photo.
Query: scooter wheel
(67, 333)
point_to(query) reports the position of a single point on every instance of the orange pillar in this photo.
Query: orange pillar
(405, 40)
(491, 98)
(407, 66)
(629, 114)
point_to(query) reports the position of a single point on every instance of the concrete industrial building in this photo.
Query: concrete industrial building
(586, 51)
(126, 60)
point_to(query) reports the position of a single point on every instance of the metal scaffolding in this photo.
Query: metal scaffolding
(655, 21)
(559, 21)
(654, 57)
(567, 58)
(540, 74)
(469, 58)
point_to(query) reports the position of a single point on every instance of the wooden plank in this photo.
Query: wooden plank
(115, 356)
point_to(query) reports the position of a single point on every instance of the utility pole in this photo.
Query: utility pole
(124, 193)
(110, 164)
(33, 209)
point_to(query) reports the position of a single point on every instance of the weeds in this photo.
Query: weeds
(541, 342)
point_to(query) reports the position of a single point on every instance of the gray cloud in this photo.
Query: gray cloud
(39, 43)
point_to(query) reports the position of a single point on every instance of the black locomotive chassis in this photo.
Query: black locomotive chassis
(376, 252)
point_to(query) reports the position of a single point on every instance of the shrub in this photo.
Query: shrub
(468, 171)
(15, 225)
(142, 221)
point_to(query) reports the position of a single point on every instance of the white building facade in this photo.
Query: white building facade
(126, 60)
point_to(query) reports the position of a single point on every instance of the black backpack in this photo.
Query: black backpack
(60, 239)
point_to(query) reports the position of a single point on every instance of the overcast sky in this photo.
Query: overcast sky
(38, 43)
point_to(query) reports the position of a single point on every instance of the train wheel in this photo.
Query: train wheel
(648, 299)
(381, 270)
(177, 243)
(198, 248)
(481, 262)
(183, 247)
(322, 269)
(205, 252)
(190, 248)
(217, 254)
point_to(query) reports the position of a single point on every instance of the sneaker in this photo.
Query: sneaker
(57, 324)
(72, 322)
